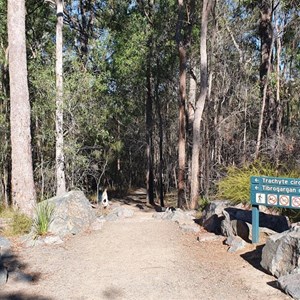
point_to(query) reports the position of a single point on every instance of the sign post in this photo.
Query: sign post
(272, 192)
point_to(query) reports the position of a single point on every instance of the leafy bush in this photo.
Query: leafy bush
(236, 185)
(43, 218)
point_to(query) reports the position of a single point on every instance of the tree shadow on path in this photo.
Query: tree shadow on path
(18, 272)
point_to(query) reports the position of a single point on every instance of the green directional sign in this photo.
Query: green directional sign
(272, 191)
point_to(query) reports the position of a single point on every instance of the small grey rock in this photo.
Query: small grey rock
(53, 240)
(208, 236)
(190, 228)
(98, 224)
(236, 243)
(158, 215)
(120, 212)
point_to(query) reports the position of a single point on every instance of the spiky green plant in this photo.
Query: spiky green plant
(236, 185)
(43, 218)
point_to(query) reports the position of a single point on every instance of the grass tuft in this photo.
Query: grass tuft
(13, 222)
(43, 218)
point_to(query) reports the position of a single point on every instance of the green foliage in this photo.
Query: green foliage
(236, 185)
(202, 203)
(21, 224)
(17, 223)
(6, 212)
(43, 218)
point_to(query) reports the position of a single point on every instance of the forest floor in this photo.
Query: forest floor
(139, 258)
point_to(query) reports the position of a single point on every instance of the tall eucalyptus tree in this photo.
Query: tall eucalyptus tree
(206, 8)
(23, 189)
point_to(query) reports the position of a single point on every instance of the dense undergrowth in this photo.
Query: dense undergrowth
(235, 186)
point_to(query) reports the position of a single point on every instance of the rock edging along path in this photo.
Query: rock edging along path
(136, 258)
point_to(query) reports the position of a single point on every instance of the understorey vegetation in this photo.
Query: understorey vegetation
(188, 98)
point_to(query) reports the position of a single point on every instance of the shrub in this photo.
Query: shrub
(15, 223)
(21, 224)
(236, 185)
(43, 218)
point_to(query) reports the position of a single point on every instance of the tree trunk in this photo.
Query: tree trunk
(266, 36)
(149, 108)
(23, 189)
(161, 137)
(207, 4)
(266, 121)
(60, 159)
(278, 101)
(182, 112)
(149, 133)
(190, 121)
(5, 156)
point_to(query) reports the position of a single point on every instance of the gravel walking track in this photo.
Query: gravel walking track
(139, 258)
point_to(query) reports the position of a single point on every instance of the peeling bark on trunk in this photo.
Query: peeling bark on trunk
(23, 190)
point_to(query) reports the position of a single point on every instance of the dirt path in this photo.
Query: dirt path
(138, 258)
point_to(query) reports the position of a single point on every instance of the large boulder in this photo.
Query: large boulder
(281, 254)
(73, 213)
(221, 218)
(212, 215)
(214, 208)
(273, 222)
(290, 284)
(234, 227)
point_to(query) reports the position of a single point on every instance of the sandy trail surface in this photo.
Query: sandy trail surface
(139, 258)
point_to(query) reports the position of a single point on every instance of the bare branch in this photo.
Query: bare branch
(235, 44)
